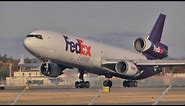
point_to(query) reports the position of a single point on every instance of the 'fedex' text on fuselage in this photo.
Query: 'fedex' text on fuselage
(79, 47)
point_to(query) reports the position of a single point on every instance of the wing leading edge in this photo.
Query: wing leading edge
(160, 63)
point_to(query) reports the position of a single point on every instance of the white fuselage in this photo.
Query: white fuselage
(56, 48)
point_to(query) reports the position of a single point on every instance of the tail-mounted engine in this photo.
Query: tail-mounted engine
(157, 50)
(126, 68)
(50, 69)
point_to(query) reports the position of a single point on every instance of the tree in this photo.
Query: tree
(4, 72)
(27, 60)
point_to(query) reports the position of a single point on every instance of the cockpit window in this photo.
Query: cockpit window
(37, 36)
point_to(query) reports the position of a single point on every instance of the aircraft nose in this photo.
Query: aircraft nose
(27, 43)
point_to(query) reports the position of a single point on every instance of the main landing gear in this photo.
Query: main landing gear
(130, 83)
(82, 83)
(126, 83)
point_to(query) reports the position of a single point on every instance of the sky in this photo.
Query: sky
(116, 23)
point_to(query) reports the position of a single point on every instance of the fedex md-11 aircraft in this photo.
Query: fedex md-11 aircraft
(60, 51)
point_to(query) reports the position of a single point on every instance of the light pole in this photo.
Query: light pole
(10, 68)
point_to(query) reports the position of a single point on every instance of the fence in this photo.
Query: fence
(96, 81)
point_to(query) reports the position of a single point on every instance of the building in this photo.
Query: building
(29, 73)
(31, 77)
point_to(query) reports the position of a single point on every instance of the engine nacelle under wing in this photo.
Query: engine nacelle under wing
(126, 68)
(51, 69)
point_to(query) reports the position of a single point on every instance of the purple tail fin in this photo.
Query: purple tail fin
(157, 50)
(155, 35)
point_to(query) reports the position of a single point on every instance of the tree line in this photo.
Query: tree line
(6, 61)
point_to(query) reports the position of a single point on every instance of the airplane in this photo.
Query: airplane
(59, 51)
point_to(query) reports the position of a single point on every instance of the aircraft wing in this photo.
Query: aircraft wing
(162, 63)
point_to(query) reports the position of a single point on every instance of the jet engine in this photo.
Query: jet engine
(126, 68)
(51, 69)
(155, 50)
(142, 44)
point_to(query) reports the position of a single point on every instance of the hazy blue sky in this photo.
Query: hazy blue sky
(117, 23)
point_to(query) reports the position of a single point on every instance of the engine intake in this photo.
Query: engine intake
(155, 50)
(50, 69)
(142, 44)
(126, 68)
